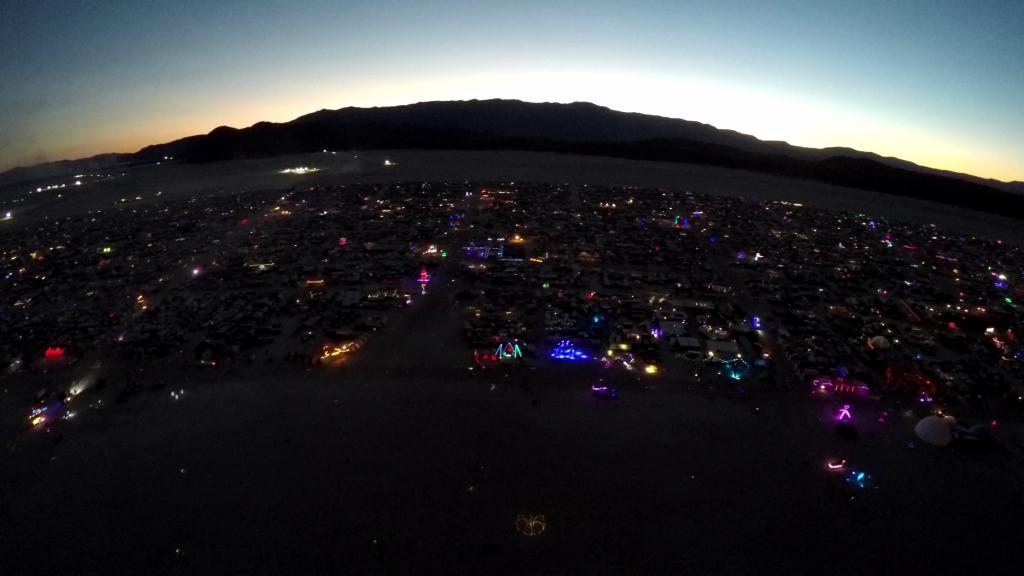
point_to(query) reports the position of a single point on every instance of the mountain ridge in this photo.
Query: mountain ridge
(496, 124)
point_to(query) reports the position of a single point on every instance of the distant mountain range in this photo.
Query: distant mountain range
(580, 128)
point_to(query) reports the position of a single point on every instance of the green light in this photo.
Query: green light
(444, 254)
(546, 285)
(1008, 300)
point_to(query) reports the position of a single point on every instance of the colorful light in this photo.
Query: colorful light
(509, 351)
(566, 350)
(838, 385)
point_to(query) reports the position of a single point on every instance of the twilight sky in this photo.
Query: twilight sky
(940, 83)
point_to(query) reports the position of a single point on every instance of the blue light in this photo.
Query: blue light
(859, 479)
(756, 322)
(566, 350)
(735, 369)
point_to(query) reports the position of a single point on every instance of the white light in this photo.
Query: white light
(299, 170)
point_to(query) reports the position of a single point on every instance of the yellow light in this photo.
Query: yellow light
(651, 369)
(38, 420)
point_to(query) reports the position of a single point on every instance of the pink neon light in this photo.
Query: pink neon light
(844, 413)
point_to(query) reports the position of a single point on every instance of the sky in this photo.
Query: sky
(935, 82)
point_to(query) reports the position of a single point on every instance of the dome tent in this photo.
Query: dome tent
(879, 343)
(936, 430)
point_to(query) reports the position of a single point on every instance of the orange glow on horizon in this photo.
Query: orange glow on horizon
(763, 113)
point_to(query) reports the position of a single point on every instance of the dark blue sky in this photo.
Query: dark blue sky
(939, 83)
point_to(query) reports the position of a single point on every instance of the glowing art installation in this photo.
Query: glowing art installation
(509, 351)
(531, 524)
(844, 414)
(566, 350)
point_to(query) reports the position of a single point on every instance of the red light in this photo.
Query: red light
(54, 353)
(244, 221)
(342, 241)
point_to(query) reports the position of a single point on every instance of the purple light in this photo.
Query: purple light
(844, 414)
(602, 391)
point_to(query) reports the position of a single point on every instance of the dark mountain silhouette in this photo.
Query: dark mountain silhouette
(61, 167)
(582, 128)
